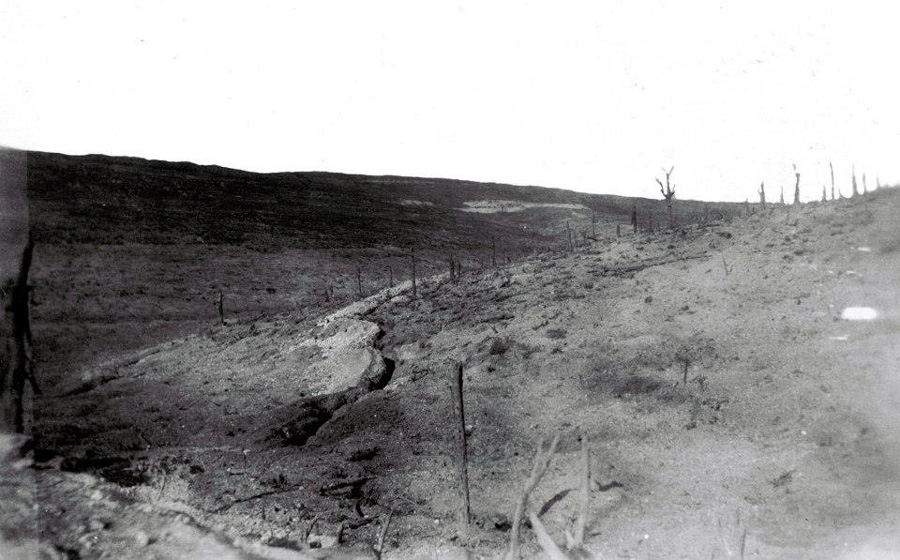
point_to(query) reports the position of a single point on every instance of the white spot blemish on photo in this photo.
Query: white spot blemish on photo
(859, 314)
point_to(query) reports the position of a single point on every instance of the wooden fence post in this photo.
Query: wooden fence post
(413, 259)
(18, 357)
(462, 460)
(221, 307)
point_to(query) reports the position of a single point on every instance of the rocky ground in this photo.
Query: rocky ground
(732, 406)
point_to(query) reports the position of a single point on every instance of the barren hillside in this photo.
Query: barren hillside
(131, 252)
(733, 406)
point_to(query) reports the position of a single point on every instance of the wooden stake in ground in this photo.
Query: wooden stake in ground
(762, 195)
(540, 466)
(22, 360)
(855, 191)
(412, 258)
(221, 308)
(359, 281)
(634, 218)
(831, 168)
(727, 272)
(594, 225)
(390, 276)
(385, 525)
(796, 185)
(462, 459)
(577, 540)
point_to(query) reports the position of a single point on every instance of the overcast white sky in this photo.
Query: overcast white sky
(590, 96)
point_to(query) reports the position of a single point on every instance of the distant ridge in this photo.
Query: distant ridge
(116, 199)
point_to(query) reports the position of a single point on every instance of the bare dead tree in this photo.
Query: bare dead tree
(539, 467)
(796, 185)
(762, 194)
(668, 193)
(781, 198)
(855, 191)
(462, 459)
(831, 168)
(865, 189)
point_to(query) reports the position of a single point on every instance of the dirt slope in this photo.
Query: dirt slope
(785, 435)
(132, 252)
